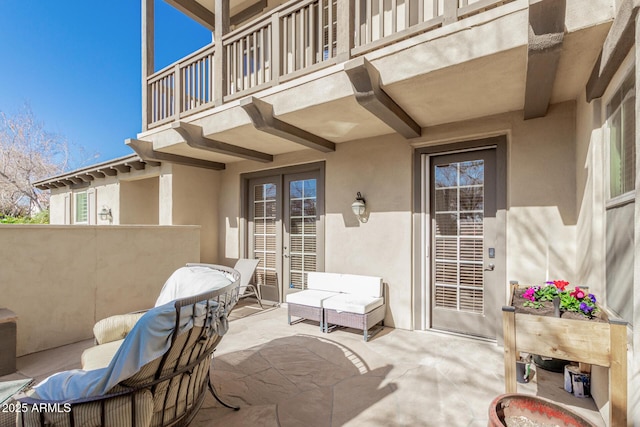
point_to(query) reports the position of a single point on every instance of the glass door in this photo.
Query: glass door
(464, 288)
(286, 228)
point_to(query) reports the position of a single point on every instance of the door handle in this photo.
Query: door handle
(490, 267)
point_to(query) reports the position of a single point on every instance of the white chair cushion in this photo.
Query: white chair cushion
(366, 286)
(353, 303)
(310, 297)
(99, 356)
(325, 281)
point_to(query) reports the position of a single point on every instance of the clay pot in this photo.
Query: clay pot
(525, 410)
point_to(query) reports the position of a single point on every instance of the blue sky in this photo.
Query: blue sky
(77, 64)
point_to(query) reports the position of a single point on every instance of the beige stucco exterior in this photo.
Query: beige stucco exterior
(459, 82)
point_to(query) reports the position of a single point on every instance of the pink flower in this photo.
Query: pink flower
(529, 294)
(577, 293)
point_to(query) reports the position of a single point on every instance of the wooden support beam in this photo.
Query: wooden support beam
(366, 83)
(148, 53)
(85, 177)
(261, 114)
(195, 11)
(75, 180)
(546, 36)
(619, 41)
(618, 373)
(510, 353)
(148, 154)
(96, 174)
(108, 171)
(248, 12)
(194, 137)
(136, 165)
(220, 58)
(121, 168)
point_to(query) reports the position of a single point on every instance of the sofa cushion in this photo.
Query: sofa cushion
(352, 303)
(365, 286)
(310, 297)
(99, 356)
(322, 281)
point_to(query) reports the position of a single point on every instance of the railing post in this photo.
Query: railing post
(345, 22)
(147, 57)
(276, 48)
(450, 12)
(177, 92)
(220, 55)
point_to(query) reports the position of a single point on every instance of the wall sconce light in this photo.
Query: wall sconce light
(105, 214)
(359, 207)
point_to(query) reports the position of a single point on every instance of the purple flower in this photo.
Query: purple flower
(592, 297)
(585, 308)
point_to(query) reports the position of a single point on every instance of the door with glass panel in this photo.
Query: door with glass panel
(465, 295)
(286, 228)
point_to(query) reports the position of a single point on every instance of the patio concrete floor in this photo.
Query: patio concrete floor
(288, 376)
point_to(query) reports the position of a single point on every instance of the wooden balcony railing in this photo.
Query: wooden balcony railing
(294, 39)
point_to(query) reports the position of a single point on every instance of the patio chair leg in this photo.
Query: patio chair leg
(215, 394)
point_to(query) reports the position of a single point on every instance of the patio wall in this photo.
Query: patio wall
(60, 280)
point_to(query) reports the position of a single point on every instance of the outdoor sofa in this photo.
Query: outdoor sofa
(334, 299)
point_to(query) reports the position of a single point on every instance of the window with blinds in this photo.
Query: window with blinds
(302, 231)
(264, 235)
(622, 132)
(81, 208)
(459, 240)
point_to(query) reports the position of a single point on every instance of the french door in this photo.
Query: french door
(465, 289)
(286, 228)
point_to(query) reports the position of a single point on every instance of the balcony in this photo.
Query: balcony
(292, 40)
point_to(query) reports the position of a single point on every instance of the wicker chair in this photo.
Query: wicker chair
(167, 391)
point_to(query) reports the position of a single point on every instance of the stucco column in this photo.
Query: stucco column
(165, 196)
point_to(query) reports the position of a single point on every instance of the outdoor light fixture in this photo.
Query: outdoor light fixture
(105, 214)
(359, 207)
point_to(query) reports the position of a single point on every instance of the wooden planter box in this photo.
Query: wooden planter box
(596, 343)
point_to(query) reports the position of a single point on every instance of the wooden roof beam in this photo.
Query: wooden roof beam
(619, 41)
(366, 83)
(85, 177)
(121, 168)
(147, 153)
(195, 11)
(261, 114)
(546, 36)
(108, 171)
(194, 137)
(96, 174)
(136, 165)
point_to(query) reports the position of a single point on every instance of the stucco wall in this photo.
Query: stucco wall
(380, 168)
(139, 201)
(195, 201)
(64, 278)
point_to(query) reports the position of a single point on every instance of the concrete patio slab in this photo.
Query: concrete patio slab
(286, 376)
